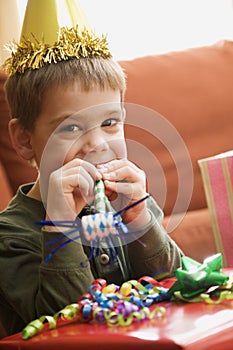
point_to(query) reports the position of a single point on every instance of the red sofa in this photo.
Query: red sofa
(192, 92)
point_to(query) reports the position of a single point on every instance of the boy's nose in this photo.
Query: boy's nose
(94, 141)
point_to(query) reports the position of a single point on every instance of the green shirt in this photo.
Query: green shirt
(31, 287)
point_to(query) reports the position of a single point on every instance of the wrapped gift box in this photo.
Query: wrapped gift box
(217, 176)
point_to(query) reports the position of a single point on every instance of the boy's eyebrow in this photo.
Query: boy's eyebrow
(59, 120)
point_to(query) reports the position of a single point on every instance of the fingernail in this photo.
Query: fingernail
(98, 175)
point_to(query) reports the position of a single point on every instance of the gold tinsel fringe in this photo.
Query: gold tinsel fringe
(71, 43)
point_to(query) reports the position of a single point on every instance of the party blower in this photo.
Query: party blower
(99, 225)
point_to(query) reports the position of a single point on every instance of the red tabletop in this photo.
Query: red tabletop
(185, 326)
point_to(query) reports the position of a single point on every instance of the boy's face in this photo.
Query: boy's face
(79, 124)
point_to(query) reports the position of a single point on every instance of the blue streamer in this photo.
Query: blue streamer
(76, 225)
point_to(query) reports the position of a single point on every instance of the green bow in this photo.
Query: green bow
(194, 278)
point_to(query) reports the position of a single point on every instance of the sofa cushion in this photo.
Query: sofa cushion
(192, 89)
(194, 234)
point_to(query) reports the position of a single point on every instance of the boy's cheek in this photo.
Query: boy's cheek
(119, 148)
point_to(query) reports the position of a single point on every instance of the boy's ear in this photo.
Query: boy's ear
(20, 139)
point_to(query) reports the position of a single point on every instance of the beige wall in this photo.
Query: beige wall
(9, 25)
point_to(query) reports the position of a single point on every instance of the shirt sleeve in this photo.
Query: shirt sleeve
(154, 253)
(66, 275)
(31, 287)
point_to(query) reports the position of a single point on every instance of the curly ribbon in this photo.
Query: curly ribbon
(122, 305)
(110, 304)
(224, 295)
(68, 313)
(37, 325)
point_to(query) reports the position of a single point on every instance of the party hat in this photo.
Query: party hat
(46, 19)
(53, 31)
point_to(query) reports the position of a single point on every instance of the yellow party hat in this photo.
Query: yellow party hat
(44, 18)
(53, 31)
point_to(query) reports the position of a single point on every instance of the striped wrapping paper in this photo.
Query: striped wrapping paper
(217, 176)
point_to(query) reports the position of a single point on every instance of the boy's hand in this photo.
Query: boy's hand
(124, 179)
(70, 189)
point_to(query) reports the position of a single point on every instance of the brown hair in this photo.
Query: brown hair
(24, 92)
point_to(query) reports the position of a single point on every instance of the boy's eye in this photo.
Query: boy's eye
(110, 122)
(69, 128)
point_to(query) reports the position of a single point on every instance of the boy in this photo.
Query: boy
(68, 119)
